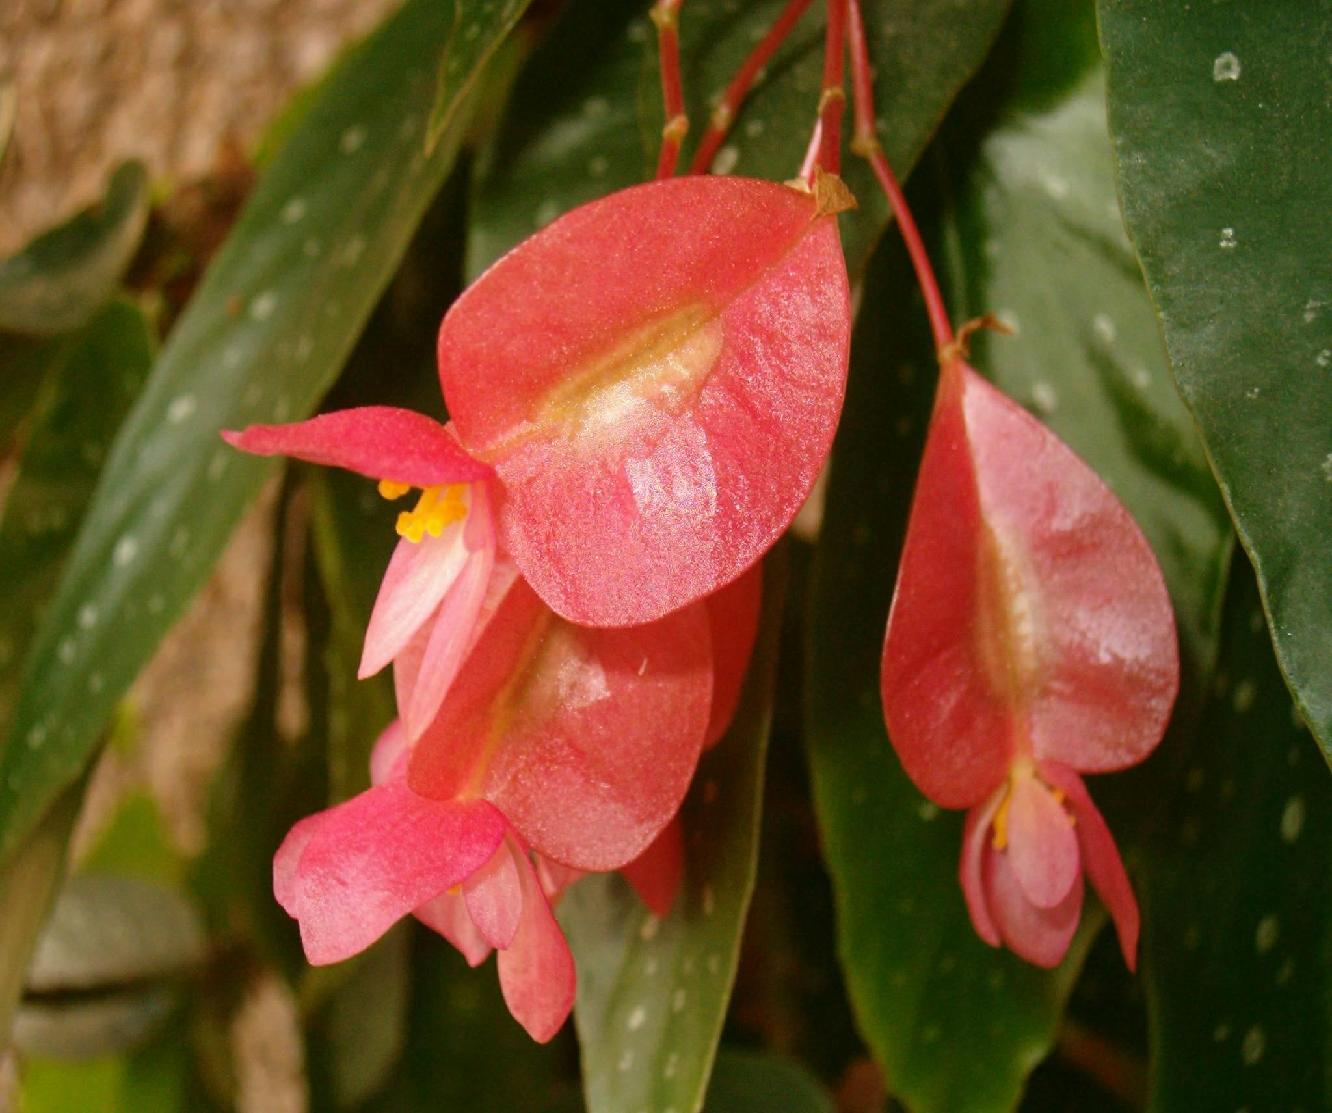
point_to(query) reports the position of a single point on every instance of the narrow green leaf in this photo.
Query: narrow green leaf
(652, 994)
(1237, 897)
(28, 883)
(64, 276)
(268, 329)
(1032, 233)
(107, 930)
(586, 115)
(1224, 146)
(468, 49)
(89, 382)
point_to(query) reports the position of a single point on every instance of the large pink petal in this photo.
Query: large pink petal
(976, 838)
(1089, 597)
(388, 757)
(733, 618)
(1042, 848)
(418, 577)
(585, 738)
(381, 442)
(949, 728)
(1100, 858)
(656, 377)
(1039, 935)
(365, 863)
(536, 972)
(447, 914)
(656, 873)
(494, 898)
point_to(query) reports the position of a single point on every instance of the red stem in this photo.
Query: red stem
(833, 98)
(719, 124)
(666, 15)
(866, 144)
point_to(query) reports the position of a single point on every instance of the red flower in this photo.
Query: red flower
(1030, 639)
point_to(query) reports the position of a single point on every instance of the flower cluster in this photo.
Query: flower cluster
(641, 396)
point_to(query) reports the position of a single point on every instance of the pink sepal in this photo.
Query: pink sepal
(1042, 848)
(382, 442)
(975, 842)
(447, 915)
(1039, 935)
(656, 873)
(733, 617)
(536, 972)
(1100, 859)
(494, 898)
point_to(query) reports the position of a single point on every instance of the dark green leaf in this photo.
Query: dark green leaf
(276, 315)
(64, 276)
(1032, 234)
(1224, 145)
(468, 49)
(1237, 898)
(744, 1082)
(586, 114)
(88, 385)
(652, 994)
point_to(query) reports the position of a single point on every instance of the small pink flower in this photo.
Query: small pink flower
(1030, 639)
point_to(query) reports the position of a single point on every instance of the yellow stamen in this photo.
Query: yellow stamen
(393, 490)
(1001, 819)
(437, 507)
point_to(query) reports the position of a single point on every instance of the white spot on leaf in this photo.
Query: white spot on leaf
(1226, 67)
(181, 408)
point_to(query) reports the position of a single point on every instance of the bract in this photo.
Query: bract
(656, 378)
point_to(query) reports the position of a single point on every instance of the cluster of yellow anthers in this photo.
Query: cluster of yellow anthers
(436, 508)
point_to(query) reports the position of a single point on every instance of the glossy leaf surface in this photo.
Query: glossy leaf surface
(1237, 898)
(1237, 251)
(652, 994)
(586, 114)
(262, 338)
(665, 368)
(63, 277)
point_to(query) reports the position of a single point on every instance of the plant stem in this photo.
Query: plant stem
(832, 100)
(666, 15)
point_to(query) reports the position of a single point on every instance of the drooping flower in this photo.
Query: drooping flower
(424, 617)
(570, 743)
(1030, 639)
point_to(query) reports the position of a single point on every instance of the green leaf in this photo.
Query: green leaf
(28, 883)
(586, 115)
(652, 994)
(64, 276)
(108, 930)
(264, 335)
(745, 1082)
(88, 383)
(80, 1028)
(1223, 139)
(1032, 233)
(1237, 898)
(468, 49)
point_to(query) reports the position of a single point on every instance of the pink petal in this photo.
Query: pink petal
(976, 838)
(381, 442)
(537, 971)
(370, 860)
(452, 633)
(447, 915)
(584, 738)
(1100, 857)
(656, 377)
(419, 575)
(1039, 935)
(555, 877)
(733, 617)
(1100, 619)
(494, 898)
(656, 873)
(388, 758)
(1042, 847)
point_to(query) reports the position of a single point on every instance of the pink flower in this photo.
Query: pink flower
(654, 378)
(1030, 639)
(426, 611)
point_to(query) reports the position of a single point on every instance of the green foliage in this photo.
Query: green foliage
(261, 340)
(652, 994)
(63, 277)
(1223, 138)
(586, 113)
